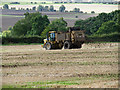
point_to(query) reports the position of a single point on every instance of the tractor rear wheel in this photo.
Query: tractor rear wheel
(67, 45)
(48, 46)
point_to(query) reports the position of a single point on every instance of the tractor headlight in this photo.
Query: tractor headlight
(45, 40)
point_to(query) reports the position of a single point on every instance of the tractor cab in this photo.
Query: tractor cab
(51, 36)
(50, 39)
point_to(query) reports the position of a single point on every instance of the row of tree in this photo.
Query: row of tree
(35, 24)
(32, 24)
(46, 8)
(41, 8)
(51, 8)
(102, 24)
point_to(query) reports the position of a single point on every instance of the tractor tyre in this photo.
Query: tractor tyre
(48, 46)
(79, 46)
(67, 45)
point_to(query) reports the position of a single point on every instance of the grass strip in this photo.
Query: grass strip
(57, 63)
(91, 78)
(11, 15)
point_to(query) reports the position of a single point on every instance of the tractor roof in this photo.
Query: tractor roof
(52, 31)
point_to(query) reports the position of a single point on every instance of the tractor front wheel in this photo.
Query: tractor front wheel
(48, 46)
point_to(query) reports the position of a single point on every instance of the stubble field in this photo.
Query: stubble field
(30, 66)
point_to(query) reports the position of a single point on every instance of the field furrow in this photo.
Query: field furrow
(32, 66)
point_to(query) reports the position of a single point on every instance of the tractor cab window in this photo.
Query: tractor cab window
(52, 36)
(80, 35)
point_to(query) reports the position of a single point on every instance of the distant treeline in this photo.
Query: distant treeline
(15, 3)
(42, 8)
(90, 2)
(34, 27)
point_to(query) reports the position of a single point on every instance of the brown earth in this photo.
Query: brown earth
(10, 17)
(94, 65)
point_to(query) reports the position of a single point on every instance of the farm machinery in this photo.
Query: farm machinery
(73, 38)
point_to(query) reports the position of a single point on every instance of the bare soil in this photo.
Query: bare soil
(94, 65)
(11, 19)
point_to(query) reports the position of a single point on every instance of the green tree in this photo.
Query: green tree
(39, 23)
(92, 11)
(76, 10)
(10, 28)
(27, 9)
(6, 6)
(33, 8)
(92, 24)
(108, 27)
(56, 25)
(40, 8)
(46, 8)
(32, 24)
(62, 8)
(35, 3)
(52, 8)
(13, 8)
(21, 28)
(118, 20)
(6, 33)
